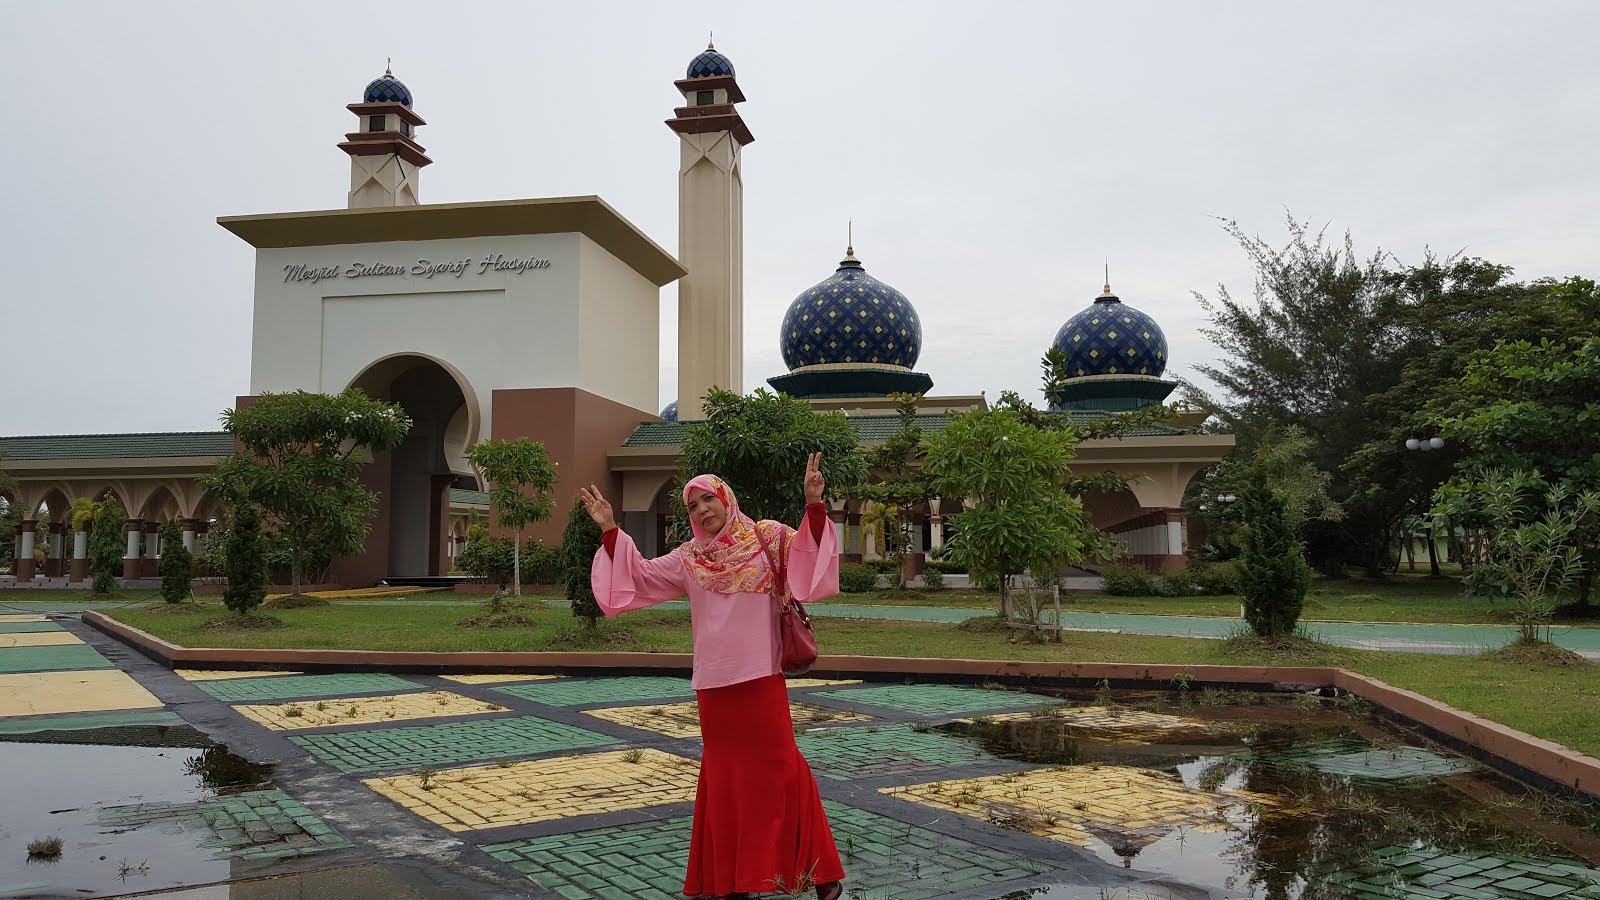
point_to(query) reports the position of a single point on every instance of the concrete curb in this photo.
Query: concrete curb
(1513, 751)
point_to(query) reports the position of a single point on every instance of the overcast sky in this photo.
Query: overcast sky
(992, 156)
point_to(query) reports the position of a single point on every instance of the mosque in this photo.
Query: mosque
(567, 291)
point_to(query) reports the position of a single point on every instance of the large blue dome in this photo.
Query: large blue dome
(387, 89)
(710, 63)
(1112, 338)
(669, 413)
(850, 318)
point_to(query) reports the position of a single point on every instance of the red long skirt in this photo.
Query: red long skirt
(759, 825)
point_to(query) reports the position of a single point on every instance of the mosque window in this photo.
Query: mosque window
(375, 123)
(405, 128)
(704, 98)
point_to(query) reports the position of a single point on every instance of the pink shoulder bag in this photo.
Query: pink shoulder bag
(797, 639)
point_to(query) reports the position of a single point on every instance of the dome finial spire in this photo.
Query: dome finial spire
(711, 40)
(388, 66)
(1105, 292)
(850, 260)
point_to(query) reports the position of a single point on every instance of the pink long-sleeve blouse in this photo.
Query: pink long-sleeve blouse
(735, 635)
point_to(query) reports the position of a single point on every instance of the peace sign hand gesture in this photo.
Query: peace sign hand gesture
(814, 481)
(599, 507)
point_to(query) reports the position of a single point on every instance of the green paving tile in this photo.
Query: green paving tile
(253, 825)
(844, 754)
(79, 722)
(939, 699)
(1357, 759)
(585, 691)
(283, 687)
(446, 744)
(28, 627)
(648, 860)
(1472, 876)
(51, 659)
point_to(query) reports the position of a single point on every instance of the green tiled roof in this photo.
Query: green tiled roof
(478, 498)
(117, 446)
(869, 429)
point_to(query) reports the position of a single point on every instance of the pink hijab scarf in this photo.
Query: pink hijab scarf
(731, 561)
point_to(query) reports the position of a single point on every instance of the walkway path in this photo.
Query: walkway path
(1399, 637)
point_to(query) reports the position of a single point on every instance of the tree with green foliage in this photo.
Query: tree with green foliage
(1282, 456)
(1273, 574)
(300, 464)
(107, 543)
(757, 442)
(487, 557)
(177, 564)
(246, 560)
(898, 484)
(1533, 541)
(1015, 474)
(580, 541)
(513, 468)
(9, 516)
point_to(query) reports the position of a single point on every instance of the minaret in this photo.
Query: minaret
(384, 157)
(710, 231)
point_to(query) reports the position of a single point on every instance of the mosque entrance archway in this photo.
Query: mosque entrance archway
(414, 480)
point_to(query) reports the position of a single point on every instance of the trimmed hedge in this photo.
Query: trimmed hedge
(855, 578)
(932, 580)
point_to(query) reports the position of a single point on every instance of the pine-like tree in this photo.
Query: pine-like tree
(177, 564)
(579, 543)
(1273, 573)
(247, 561)
(106, 544)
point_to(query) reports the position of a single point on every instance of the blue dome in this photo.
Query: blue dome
(669, 413)
(851, 318)
(710, 63)
(1112, 338)
(387, 89)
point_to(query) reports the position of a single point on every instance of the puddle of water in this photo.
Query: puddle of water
(58, 790)
(1304, 795)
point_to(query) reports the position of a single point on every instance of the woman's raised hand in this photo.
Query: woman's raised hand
(814, 482)
(599, 507)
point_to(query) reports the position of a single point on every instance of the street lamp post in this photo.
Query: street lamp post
(1426, 445)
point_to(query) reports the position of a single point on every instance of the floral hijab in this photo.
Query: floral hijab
(732, 561)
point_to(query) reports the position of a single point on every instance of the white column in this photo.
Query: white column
(133, 544)
(80, 545)
(936, 532)
(188, 538)
(25, 549)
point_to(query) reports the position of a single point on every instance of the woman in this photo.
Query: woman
(759, 824)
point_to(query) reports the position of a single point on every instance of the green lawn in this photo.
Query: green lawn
(1401, 598)
(1559, 704)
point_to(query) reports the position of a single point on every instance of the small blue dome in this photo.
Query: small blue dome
(710, 63)
(669, 413)
(1112, 338)
(850, 318)
(387, 89)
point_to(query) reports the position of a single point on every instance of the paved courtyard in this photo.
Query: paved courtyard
(523, 785)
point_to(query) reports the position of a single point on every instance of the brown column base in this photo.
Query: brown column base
(52, 568)
(150, 568)
(26, 569)
(1161, 562)
(78, 570)
(131, 568)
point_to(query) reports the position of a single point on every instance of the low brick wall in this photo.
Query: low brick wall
(1513, 751)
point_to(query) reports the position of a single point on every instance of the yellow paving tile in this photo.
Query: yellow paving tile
(38, 639)
(541, 790)
(224, 674)
(818, 682)
(301, 714)
(496, 679)
(39, 693)
(1120, 805)
(22, 617)
(1115, 722)
(682, 720)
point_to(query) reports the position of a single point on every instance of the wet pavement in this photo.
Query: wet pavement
(206, 784)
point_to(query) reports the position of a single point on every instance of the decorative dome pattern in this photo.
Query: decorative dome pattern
(387, 89)
(1112, 338)
(710, 63)
(851, 318)
(669, 413)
